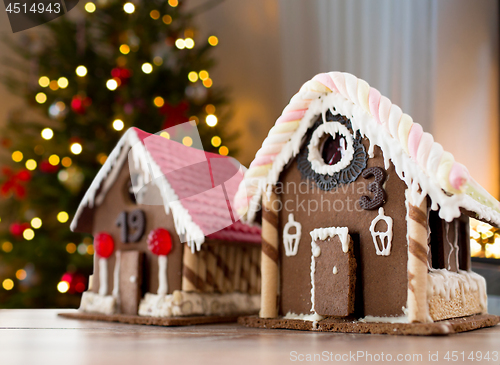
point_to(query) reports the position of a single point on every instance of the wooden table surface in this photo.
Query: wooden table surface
(32, 337)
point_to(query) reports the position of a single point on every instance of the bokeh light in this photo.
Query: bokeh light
(70, 248)
(213, 40)
(44, 81)
(125, 49)
(155, 14)
(66, 161)
(7, 246)
(21, 274)
(90, 7)
(193, 76)
(129, 8)
(76, 148)
(216, 141)
(173, 3)
(54, 160)
(187, 141)
(81, 71)
(167, 19)
(31, 164)
(17, 156)
(62, 287)
(41, 98)
(63, 82)
(189, 43)
(28, 234)
(211, 120)
(36, 223)
(47, 133)
(223, 150)
(111, 84)
(147, 68)
(62, 217)
(8, 284)
(159, 101)
(118, 124)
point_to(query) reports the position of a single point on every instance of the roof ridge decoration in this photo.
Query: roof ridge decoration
(420, 161)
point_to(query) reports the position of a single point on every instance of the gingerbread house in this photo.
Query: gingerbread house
(169, 247)
(365, 218)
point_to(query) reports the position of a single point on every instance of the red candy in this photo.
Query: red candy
(104, 244)
(160, 242)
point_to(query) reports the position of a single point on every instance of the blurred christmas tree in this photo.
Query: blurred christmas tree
(93, 74)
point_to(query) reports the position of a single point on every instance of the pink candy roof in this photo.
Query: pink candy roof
(420, 161)
(197, 187)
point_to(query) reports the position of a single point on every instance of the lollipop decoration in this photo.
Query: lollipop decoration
(160, 243)
(104, 247)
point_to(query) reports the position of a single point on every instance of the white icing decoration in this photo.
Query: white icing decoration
(96, 303)
(453, 245)
(181, 303)
(143, 161)
(314, 318)
(103, 276)
(420, 183)
(314, 156)
(445, 284)
(162, 275)
(384, 237)
(291, 240)
(335, 270)
(116, 276)
(374, 319)
(321, 234)
(133, 279)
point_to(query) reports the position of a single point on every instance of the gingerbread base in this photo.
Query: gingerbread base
(446, 327)
(152, 321)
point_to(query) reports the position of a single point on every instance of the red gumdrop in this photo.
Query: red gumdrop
(160, 242)
(104, 244)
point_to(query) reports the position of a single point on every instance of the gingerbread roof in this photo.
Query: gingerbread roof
(420, 161)
(195, 186)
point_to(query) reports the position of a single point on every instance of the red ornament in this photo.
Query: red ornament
(174, 114)
(15, 182)
(17, 229)
(79, 104)
(48, 168)
(104, 244)
(160, 242)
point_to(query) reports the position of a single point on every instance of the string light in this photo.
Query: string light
(62, 287)
(158, 61)
(223, 150)
(8, 284)
(129, 8)
(44, 81)
(54, 160)
(47, 133)
(90, 249)
(63, 82)
(211, 120)
(159, 101)
(28, 234)
(53, 85)
(76, 148)
(70, 248)
(180, 43)
(66, 162)
(7, 246)
(173, 3)
(147, 68)
(155, 14)
(193, 76)
(125, 49)
(208, 83)
(90, 7)
(210, 108)
(167, 19)
(36, 223)
(189, 43)
(17, 156)
(187, 141)
(41, 98)
(111, 84)
(81, 71)
(62, 217)
(165, 135)
(216, 141)
(101, 158)
(31, 164)
(213, 40)
(21, 274)
(203, 75)
(118, 124)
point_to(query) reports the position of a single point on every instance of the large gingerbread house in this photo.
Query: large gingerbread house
(169, 247)
(365, 218)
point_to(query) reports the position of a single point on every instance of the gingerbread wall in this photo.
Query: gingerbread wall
(117, 201)
(381, 283)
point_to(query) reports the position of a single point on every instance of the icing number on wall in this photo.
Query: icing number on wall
(375, 187)
(291, 240)
(384, 248)
(135, 221)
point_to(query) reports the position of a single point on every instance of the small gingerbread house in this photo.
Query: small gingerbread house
(365, 218)
(168, 242)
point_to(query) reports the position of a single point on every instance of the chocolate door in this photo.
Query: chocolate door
(333, 273)
(130, 274)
